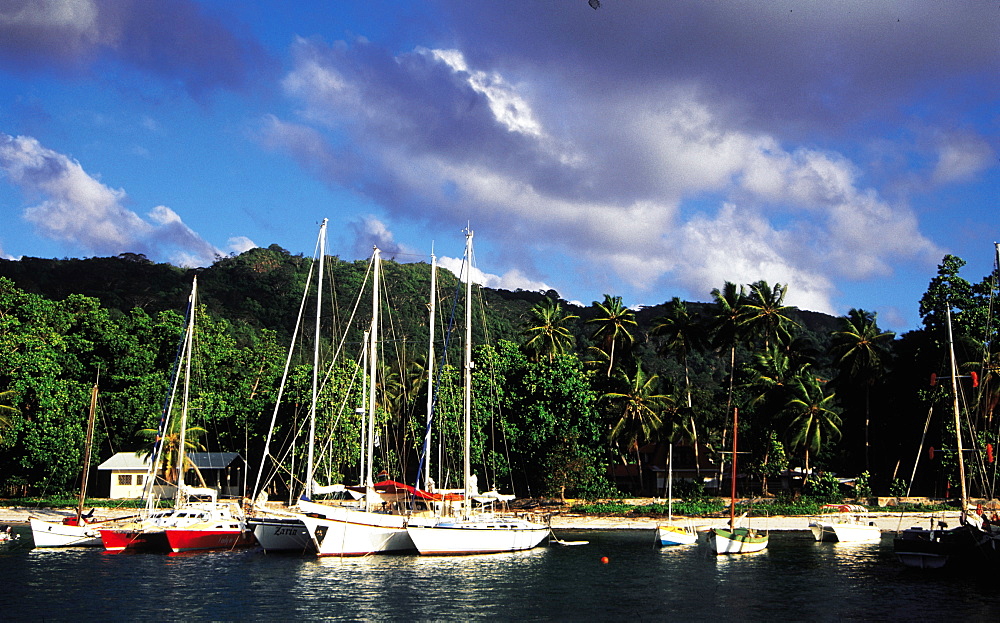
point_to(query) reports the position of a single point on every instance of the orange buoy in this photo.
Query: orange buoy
(604, 560)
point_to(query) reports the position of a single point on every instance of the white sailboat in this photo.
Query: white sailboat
(735, 539)
(482, 531)
(368, 529)
(78, 531)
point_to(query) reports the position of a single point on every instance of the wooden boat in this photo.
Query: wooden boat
(676, 535)
(734, 539)
(72, 531)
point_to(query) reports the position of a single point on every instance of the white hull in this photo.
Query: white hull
(671, 535)
(281, 534)
(724, 541)
(845, 532)
(477, 536)
(51, 534)
(343, 531)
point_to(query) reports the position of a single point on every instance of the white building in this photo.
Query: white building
(222, 471)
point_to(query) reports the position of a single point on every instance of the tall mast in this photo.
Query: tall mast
(86, 453)
(958, 420)
(467, 397)
(732, 499)
(321, 254)
(182, 441)
(430, 372)
(373, 367)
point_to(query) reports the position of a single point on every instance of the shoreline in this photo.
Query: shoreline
(887, 522)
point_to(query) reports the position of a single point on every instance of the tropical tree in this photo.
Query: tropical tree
(170, 448)
(726, 327)
(546, 330)
(683, 333)
(766, 312)
(6, 412)
(860, 349)
(613, 322)
(638, 411)
(812, 420)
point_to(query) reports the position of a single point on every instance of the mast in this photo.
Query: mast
(467, 396)
(958, 421)
(373, 368)
(430, 371)
(732, 498)
(182, 438)
(315, 372)
(86, 453)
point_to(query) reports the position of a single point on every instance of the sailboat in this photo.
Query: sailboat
(193, 524)
(482, 531)
(735, 539)
(72, 531)
(668, 534)
(378, 524)
(971, 544)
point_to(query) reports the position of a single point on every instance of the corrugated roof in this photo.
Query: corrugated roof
(202, 460)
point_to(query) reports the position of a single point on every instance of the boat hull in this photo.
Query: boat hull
(340, 531)
(669, 536)
(738, 541)
(196, 539)
(281, 534)
(476, 537)
(963, 547)
(835, 532)
(139, 540)
(52, 534)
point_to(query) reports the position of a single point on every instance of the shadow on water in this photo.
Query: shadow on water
(794, 579)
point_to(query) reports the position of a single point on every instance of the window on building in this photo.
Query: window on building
(125, 479)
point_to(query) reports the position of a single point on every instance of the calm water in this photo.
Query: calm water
(795, 579)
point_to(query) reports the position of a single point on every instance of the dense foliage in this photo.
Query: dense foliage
(568, 400)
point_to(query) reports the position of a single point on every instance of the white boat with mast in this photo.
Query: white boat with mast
(669, 534)
(378, 523)
(473, 531)
(735, 539)
(76, 531)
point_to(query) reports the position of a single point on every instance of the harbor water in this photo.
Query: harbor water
(794, 579)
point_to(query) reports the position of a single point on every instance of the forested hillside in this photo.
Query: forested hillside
(562, 393)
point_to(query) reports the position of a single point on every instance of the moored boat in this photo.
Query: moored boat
(676, 535)
(849, 527)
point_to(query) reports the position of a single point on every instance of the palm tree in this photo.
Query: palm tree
(766, 312)
(613, 322)
(683, 333)
(169, 449)
(546, 330)
(6, 412)
(638, 411)
(860, 348)
(812, 422)
(726, 327)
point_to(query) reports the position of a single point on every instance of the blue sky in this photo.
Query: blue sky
(646, 149)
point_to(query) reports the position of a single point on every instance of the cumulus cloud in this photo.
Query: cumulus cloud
(511, 280)
(83, 213)
(174, 39)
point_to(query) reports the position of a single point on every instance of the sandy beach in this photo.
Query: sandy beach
(887, 522)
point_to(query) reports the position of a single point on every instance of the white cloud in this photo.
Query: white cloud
(511, 280)
(961, 157)
(240, 244)
(81, 212)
